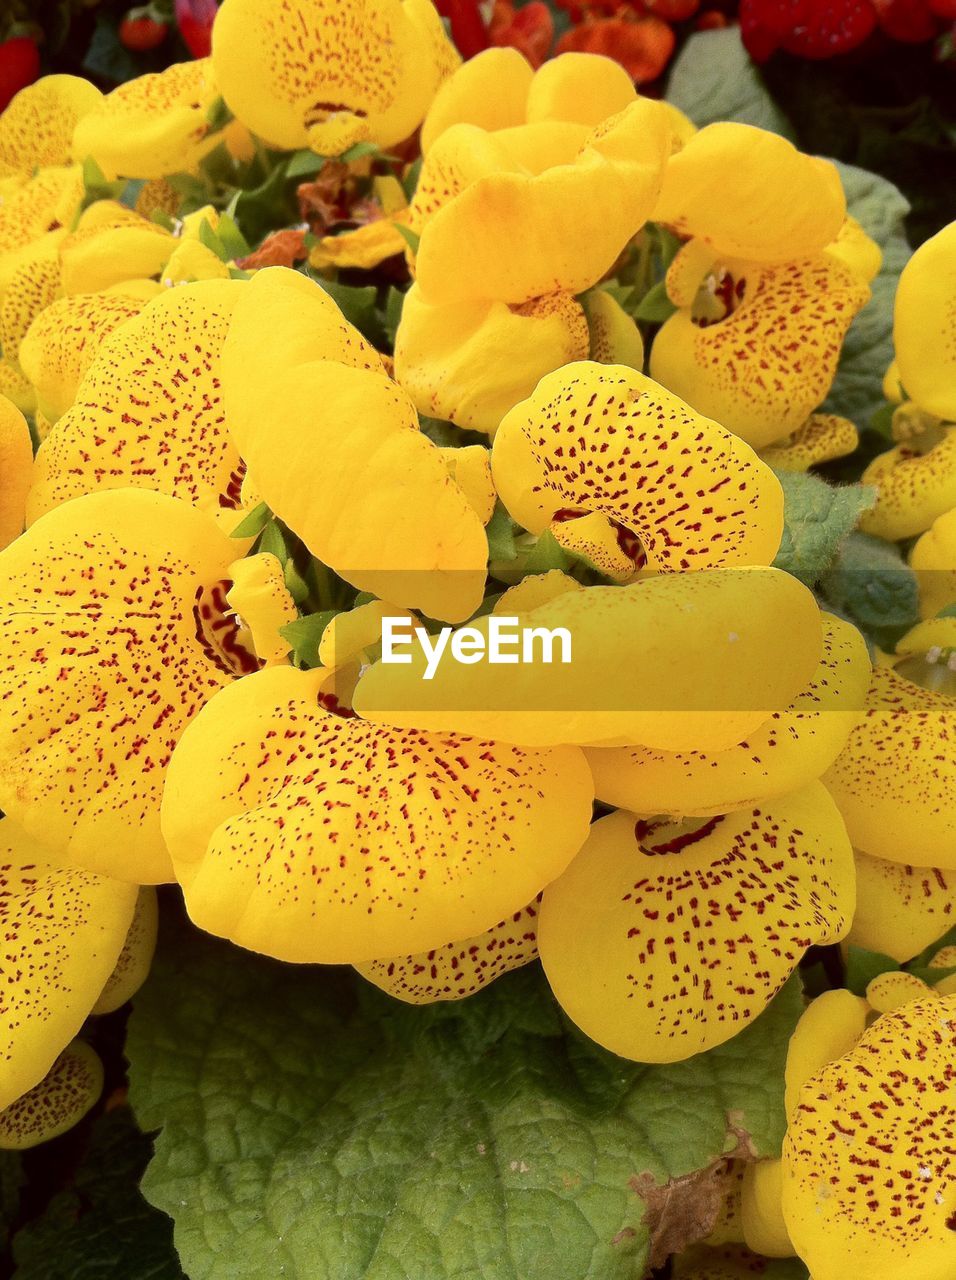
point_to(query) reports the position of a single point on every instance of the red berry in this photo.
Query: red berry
(807, 28)
(944, 9)
(194, 19)
(19, 66)
(908, 20)
(140, 31)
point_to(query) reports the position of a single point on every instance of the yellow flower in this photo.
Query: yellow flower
(190, 261)
(868, 1185)
(606, 438)
(776, 205)
(663, 939)
(148, 413)
(391, 520)
(36, 128)
(110, 245)
(16, 466)
(323, 75)
(152, 126)
(318, 837)
(757, 345)
(540, 208)
(924, 325)
(789, 750)
(62, 1098)
(48, 201)
(262, 604)
(115, 631)
(64, 339)
(915, 480)
(63, 931)
(470, 362)
(900, 909)
(459, 969)
(641, 667)
(895, 780)
(134, 961)
(933, 560)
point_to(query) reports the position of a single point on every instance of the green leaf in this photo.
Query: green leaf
(411, 238)
(315, 1129)
(857, 391)
(713, 78)
(303, 164)
(304, 635)
(863, 966)
(817, 518)
(359, 150)
(393, 313)
(218, 115)
(232, 239)
(501, 536)
(547, 554)
(871, 584)
(254, 523)
(655, 306)
(275, 539)
(211, 240)
(101, 1228)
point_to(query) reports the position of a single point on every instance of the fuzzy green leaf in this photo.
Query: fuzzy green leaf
(871, 584)
(318, 1130)
(818, 517)
(713, 78)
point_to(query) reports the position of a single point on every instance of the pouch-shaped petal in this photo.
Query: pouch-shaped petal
(30, 280)
(149, 412)
(63, 340)
(16, 466)
(607, 438)
(459, 969)
(915, 485)
(869, 1185)
(933, 560)
(662, 940)
(489, 90)
(901, 910)
(98, 257)
(48, 201)
(684, 661)
(133, 962)
(315, 837)
(585, 88)
(776, 204)
(895, 780)
(517, 232)
(785, 753)
(391, 520)
(924, 325)
(63, 929)
(767, 364)
(36, 127)
(823, 437)
(153, 125)
(323, 75)
(62, 1098)
(829, 1027)
(113, 636)
(470, 362)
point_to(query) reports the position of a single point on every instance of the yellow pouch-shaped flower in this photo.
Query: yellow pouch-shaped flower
(48, 201)
(901, 910)
(114, 632)
(318, 837)
(537, 209)
(149, 413)
(789, 750)
(686, 661)
(69, 1090)
(933, 560)
(391, 520)
(868, 1184)
(606, 438)
(915, 483)
(662, 940)
(489, 90)
(153, 125)
(36, 128)
(325, 75)
(114, 246)
(776, 204)
(924, 325)
(758, 350)
(470, 362)
(63, 930)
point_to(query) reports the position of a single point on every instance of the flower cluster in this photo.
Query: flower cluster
(234, 486)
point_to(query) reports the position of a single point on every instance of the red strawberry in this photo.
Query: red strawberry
(807, 28)
(140, 30)
(909, 20)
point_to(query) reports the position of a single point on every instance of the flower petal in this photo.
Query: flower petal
(459, 969)
(913, 488)
(933, 560)
(585, 88)
(785, 753)
(36, 128)
(63, 930)
(133, 963)
(869, 1187)
(47, 202)
(661, 943)
(105, 659)
(60, 1100)
(924, 325)
(489, 90)
(314, 837)
(901, 910)
(607, 438)
(149, 413)
(16, 467)
(823, 437)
